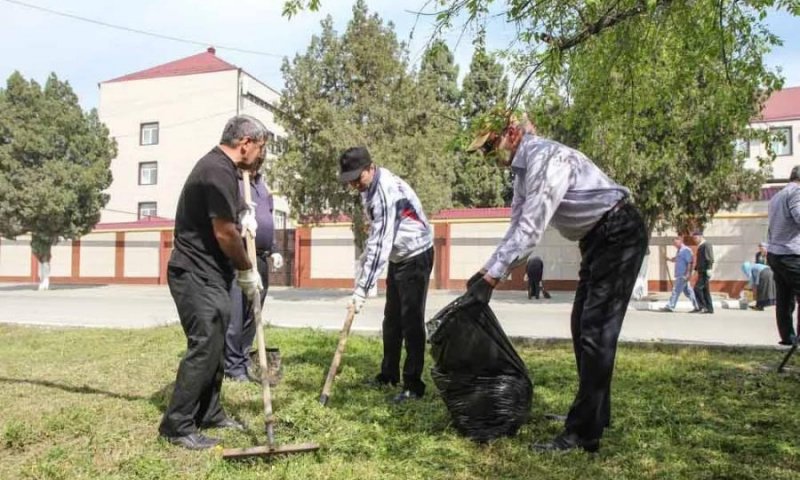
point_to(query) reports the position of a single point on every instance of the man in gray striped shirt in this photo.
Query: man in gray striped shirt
(783, 253)
(557, 185)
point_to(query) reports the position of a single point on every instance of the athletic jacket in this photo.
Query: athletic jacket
(398, 227)
(553, 184)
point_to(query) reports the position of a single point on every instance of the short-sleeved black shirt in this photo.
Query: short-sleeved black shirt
(210, 191)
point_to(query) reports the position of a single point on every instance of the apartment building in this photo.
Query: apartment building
(165, 118)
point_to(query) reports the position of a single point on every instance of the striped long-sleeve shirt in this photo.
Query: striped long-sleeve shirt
(398, 227)
(552, 183)
(784, 221)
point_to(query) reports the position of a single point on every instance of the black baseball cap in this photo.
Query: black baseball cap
(352, 162)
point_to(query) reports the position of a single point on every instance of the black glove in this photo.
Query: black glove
(480, 291)
(474, 279)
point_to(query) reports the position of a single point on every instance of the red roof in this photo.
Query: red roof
(206, 62)
(782, 105)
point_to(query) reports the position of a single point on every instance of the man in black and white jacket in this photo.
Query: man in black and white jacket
(399, 233)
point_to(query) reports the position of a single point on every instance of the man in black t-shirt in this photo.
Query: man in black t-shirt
(208, 247)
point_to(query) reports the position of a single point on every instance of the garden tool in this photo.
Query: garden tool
(269, 419)
(337, 356)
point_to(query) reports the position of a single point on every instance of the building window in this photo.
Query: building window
(742, 146)
(149, 133)
(148, 173)
(782, 147)
(147, 209)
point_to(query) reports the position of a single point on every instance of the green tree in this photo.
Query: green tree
(660, 109)
(439, 68)
(356, 89)
(485, 85)
(54, 165)
(655, 90)
(480, 183)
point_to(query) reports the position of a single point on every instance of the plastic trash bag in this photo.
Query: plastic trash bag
(483, 382)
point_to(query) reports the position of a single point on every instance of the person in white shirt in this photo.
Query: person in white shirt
(400, 234)
(557, 185)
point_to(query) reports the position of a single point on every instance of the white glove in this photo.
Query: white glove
(250, 283)
(357, 301)
(247, 219)
(277, 260)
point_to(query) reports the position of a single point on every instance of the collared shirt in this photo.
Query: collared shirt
(784, 221)
(210, 192)
(683, 260)
(398, 228)
(553, 183)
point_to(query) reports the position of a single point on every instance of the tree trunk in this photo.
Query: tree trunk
(42, 248)
(44, 276)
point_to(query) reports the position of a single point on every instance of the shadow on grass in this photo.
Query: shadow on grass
(83, 389)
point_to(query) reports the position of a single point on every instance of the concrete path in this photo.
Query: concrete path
(118, 306)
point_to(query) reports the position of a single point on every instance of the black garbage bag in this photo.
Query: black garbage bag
(482, 380)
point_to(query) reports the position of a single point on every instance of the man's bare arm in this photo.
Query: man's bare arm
(230, 241)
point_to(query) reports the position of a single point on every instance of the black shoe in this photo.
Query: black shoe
(193, 441)
(708, 312)
(405, 396)
(380, 381)
(697, 310)
(225, 423)
(566, 442)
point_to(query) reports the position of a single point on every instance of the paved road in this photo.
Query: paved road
(119, 306)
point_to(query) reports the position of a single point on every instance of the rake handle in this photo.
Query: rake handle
(337, 356)
(250, 242)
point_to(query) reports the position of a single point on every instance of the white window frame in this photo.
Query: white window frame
(787, 146)
(148, 133)
(149, 167)
(144, 210)
(742, 145)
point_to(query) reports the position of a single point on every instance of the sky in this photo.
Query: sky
(36, 43)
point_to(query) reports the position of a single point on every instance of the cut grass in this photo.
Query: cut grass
(85, 404)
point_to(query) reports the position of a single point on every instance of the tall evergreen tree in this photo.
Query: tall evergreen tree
(438, 68)
(356, 89)
(480, 183)
(54, 165)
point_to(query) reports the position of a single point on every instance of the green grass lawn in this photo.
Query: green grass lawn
(85, 404)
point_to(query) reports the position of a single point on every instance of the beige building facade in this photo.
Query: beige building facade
(166, 118)
(781, 116)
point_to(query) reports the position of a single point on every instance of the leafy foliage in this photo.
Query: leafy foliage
(659, 102)
(54, 163)
(480, 182)
(355, 89)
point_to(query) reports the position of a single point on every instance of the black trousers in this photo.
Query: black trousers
(242, 326)
(204, 308)
(535, 270)
(786, 273)
(404, 320)
(702, 291)
(611, 255)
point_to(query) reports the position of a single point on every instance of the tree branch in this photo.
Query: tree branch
(603, 23)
